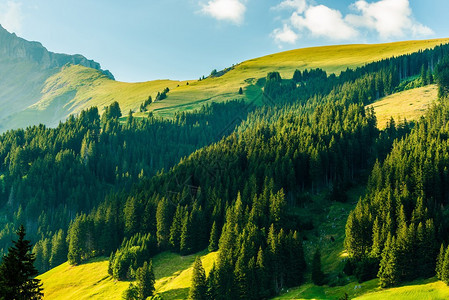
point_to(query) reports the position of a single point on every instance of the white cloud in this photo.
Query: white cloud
(299, 5)
(321, 21)
(285, 35)
(389, 18)
(225, 10)
(11, 16)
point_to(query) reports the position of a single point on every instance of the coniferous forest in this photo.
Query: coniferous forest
(228, 176)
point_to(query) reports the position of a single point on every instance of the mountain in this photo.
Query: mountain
(38, 86)
(24, 68)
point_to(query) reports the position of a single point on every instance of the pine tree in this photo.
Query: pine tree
(198, 289)
(131, 293)
(440, 261)
(262, 276)
(186, 235)
(240, 91)
(213, 240)
(445, 267)
(317, 273)
(163, 223)
(212, 283)
(17, 272)
(176, 228)
(58, 249)
(145, 280)
(388, 272)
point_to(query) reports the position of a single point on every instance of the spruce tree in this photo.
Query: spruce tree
(17, 272)
(145, 280)
(388, 272)
(440, 261)
(212, 283)
(445, 267)
(213, 240)
(198, 289)
(317, 273)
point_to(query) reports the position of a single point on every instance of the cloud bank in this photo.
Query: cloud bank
(225, 10)
(387, 19)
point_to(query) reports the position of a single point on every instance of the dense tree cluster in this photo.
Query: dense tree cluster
(401, 220)
(361, 85)
(49, 175)
(225, 177)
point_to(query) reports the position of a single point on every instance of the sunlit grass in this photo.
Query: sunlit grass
(91, 280)
(409, 105)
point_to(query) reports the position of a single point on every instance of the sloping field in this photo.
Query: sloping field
(91, 280)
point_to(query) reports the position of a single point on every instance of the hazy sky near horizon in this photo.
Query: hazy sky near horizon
(139, 40)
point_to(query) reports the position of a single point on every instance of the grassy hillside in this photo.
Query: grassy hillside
(410, 105)
(91, 280)
(75, 88)
(333, 59)
(419, 290)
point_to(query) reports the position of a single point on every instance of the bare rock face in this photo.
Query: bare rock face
(14, 47)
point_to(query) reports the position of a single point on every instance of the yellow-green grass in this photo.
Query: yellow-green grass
(173, 275)
(419, 290)
(409, 105)
(311, 291)
(75, 88)
(333, 59)
(86, 281)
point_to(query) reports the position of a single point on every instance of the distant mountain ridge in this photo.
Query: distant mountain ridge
(14, 47)
(24, 69)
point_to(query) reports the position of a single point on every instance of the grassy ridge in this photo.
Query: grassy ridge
(75, 88)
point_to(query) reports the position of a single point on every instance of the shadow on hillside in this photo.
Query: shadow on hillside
(175, 294)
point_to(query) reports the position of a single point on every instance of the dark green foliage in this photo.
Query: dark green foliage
(440, 262)
(442, 76)
(17, 271)
(145, 280)
(50, 175)
(366, 269)
(131, 293)
(198, 288)
(317, 272)
(240, 91)
(405, 199)
(214, 236)
(389, 274)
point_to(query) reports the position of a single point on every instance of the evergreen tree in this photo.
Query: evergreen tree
(317, 273)
(17, 272)
(198, 289)
(240, 91)
(163, 223)
(389, 272)
(145, 280)
(213, 240)
(212, 283)
(58, 249)
(440, 262)
(445, 267)
(131, 293)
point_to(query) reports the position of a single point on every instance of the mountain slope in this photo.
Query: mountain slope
(333, 59)
(24, 68)
(36, 86)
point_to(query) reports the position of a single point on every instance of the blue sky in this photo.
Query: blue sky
(139, 40)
